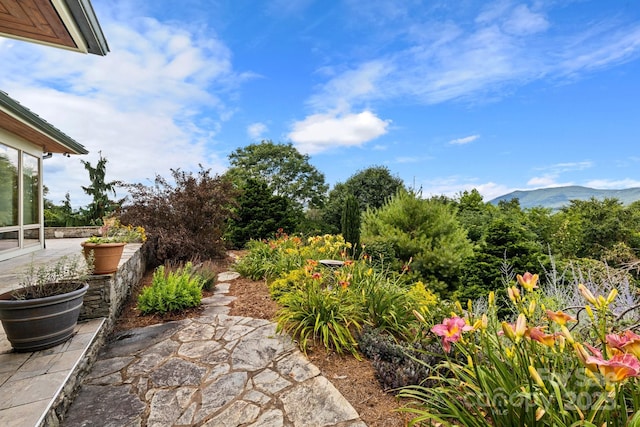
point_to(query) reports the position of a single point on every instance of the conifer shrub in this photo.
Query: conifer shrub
(171, 291)
(351, 221)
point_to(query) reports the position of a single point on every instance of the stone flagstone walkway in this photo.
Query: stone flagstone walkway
(214, 371)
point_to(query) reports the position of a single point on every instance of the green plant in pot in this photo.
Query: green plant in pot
(106, 248)
(44, 311)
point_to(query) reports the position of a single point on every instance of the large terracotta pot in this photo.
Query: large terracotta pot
(106, 256)
(40, 323)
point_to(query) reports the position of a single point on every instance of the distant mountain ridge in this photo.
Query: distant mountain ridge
(557, 197)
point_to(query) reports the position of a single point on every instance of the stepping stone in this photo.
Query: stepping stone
(228, 276)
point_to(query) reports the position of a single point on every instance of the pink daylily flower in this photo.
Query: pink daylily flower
(618, 368)
(450, 330)
(528, 281)
(627, 342)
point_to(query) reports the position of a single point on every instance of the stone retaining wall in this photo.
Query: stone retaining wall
(108, 292)
(69, 232)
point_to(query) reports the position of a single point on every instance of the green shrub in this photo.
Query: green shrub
(381, 253)
(425, 231)
(325, 315)
(171, 291)
(274, 258)
(398, 363)
(207, 272)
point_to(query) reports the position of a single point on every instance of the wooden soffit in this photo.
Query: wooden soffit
(68, 24)
(27, 125)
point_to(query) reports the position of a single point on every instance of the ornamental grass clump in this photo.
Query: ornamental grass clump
(171, 291)
(546, 368)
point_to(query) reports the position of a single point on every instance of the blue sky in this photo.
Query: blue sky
(449, 95)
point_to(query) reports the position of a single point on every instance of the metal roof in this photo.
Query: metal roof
(23, 122)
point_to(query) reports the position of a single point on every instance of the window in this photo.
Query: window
(20, 204)
(8, 186)
(30, 189)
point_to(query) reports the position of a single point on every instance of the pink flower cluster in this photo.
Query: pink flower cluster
(451, 330)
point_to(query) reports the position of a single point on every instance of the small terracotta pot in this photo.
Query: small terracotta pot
(106, 256)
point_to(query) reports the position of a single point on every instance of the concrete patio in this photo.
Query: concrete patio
(34, 385)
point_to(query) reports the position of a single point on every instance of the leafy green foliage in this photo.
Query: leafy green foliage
(372, 187)
(171, 291)
(546, 369)
(260, 214)
(185, 220)
(206, 271)
(286, 172)
(272, 259)
(425, 231)
(330, 305)
(67, 274)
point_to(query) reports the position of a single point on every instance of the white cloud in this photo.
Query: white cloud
(607, 184)
(361, 82)
(453, 186)
(256, 131)
(155, 102)
(558, 168)
(523, 21)
(465, 140)
(434, 61)
(546, 181)
(321, 132)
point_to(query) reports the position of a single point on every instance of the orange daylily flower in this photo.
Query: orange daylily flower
(537, 334)
(559, 317)
(618, 368)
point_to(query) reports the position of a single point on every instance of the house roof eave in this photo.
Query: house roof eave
(22, 119)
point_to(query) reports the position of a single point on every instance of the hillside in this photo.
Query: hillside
(557, 197)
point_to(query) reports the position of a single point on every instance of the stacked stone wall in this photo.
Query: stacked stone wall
(108, 292)
(70, 232)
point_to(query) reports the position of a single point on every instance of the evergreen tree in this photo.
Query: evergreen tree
(260, 214)
(99, 189)
(351, 221)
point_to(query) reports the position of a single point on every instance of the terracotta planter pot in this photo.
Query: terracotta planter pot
(106, 256)
(40, 323)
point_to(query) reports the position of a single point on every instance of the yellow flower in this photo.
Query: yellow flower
(492, 298)
(535, 376)
(521, 326)
(612, 295)
(508, 331)
(586, 293)
(514, 293)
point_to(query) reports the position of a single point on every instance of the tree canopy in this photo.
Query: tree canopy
(286, 171)
(371, 187)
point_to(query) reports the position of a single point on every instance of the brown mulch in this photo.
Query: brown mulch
(355, 379)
